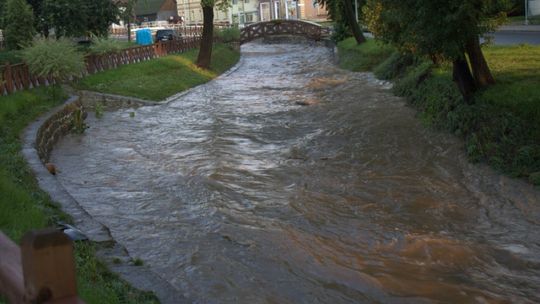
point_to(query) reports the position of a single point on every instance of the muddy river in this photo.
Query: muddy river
(237, 192)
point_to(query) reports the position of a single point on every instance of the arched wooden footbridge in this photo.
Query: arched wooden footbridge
(282, 27)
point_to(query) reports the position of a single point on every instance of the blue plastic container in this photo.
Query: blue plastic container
(144, 37)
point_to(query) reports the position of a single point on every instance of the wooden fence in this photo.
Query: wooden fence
(17, 77)
(41, 270)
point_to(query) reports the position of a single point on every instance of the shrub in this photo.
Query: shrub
(19, 21)
(228, 34)
(394, 66)
(412, 78)
(57, 58)
(437, 97)
(104, 45)
(534, 178)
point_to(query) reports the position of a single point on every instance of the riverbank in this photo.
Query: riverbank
(163, 77)
(501, 128)
(24, 206)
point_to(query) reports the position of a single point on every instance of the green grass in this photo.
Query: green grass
(160, 78)
(24, 206)
(363, 57)
(501, 128)
(517, 72)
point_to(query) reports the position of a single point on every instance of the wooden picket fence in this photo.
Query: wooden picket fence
(17, 77)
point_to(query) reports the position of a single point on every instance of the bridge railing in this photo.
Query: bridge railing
(281, 27)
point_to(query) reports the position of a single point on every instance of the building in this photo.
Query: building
(241, 11)
(250, 11)
(290, 9)
(191, 12)
(245, 11)
(156, 10)
(311, 10)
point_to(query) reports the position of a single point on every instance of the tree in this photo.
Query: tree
(67, 17)
(19, 21)
(205, 51)
(75, 18)
(448, 29)
(39, 22)
(2, 12)
(100, 15)
(127, 14)
(343, 11)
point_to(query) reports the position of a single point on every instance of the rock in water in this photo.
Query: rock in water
(51, 168)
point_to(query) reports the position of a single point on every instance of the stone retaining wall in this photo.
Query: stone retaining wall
(57, 126)
(111, 102)
(61, 122)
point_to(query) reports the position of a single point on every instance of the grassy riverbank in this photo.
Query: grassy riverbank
(24, 206)
(162, 77)
(501, 128)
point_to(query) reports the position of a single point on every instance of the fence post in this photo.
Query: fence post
(11, 278)
(8, 78)
(48, 266)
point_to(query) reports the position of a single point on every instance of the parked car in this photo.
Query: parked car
(168, 34)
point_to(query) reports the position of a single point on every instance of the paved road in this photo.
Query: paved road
(515, 37)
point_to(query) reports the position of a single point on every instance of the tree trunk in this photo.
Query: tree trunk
(351, 21)
(205, 51)
(463, 78)
(481, 72)
(129, 30)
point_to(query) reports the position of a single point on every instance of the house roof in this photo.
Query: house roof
(148, 7)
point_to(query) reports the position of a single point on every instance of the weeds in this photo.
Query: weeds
(98, 109)
(79, 126)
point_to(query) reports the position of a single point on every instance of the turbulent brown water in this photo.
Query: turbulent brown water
(234, 193)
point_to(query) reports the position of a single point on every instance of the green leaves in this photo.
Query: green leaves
(19, 22)
(433, 28)
(57, 58)
(75, 18)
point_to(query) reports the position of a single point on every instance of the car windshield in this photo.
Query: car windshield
(164, 32)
